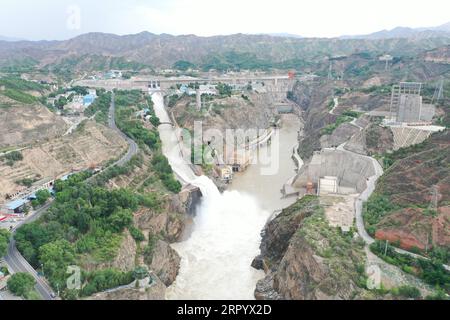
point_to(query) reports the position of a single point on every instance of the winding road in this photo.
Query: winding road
(15, 261)
(132, 146)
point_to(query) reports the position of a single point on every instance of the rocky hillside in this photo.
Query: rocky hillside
(411, 202)
(314, 98)
(23, 120)
(255, 111)
(305, 259)
(439, 55)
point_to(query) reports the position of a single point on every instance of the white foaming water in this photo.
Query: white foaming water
(216, 259)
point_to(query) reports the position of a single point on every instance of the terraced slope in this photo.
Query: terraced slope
(90, 146)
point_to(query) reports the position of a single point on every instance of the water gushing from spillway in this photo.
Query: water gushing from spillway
(216, 259)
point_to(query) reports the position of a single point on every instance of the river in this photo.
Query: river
(216, 259)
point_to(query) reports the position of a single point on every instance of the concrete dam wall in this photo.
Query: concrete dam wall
(352, 171)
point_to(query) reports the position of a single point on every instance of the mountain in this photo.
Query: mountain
(286, 35)
(444, 27)
(239, 50)
(405, 32)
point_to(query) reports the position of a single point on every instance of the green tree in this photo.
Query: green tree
(42, 196)
(120, 219)
(439, 294)
(140, 273)
(183, 65)
(4, 241)
(155, 121)
(61, 102)
(136, 234)
(55, 257)
(407, 292)
(12, 157)
(20, 284)
(224, 89)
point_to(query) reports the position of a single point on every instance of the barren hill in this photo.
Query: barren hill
(24, 124)
(92, 145)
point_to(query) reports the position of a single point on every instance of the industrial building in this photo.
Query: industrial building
(16, 206)
(328, 185)
(226, 173)
(407, 104)
(88, 100)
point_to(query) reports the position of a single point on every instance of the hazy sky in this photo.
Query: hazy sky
(62, 19)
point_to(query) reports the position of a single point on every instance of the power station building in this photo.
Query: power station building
(407, 104)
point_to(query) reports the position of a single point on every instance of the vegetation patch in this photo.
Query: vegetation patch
(19, 96)
(343, 253)
(83, 221)
(22, 284)
(12, 157)
(329, 129)
(237, 61)
(4, 241)
(100, 107)
(431, 271)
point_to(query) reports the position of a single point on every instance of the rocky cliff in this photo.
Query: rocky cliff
(255, 111)
(165, 262)
(313, 97)
(306, 259)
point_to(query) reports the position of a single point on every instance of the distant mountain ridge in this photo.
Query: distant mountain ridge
(405, 32)
(164, 50)
(4, 38)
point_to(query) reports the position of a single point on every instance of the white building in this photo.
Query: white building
(208, 89)
(328, 185)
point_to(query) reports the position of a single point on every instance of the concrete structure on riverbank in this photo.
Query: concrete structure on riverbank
(335, 171)
(327, 185)
(405, 136)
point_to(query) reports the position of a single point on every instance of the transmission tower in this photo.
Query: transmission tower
(330, 75)
(434, 198)
(386, 58)
(439, 92)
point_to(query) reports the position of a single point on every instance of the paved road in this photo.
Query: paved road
(16, 261)
(132, 146)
